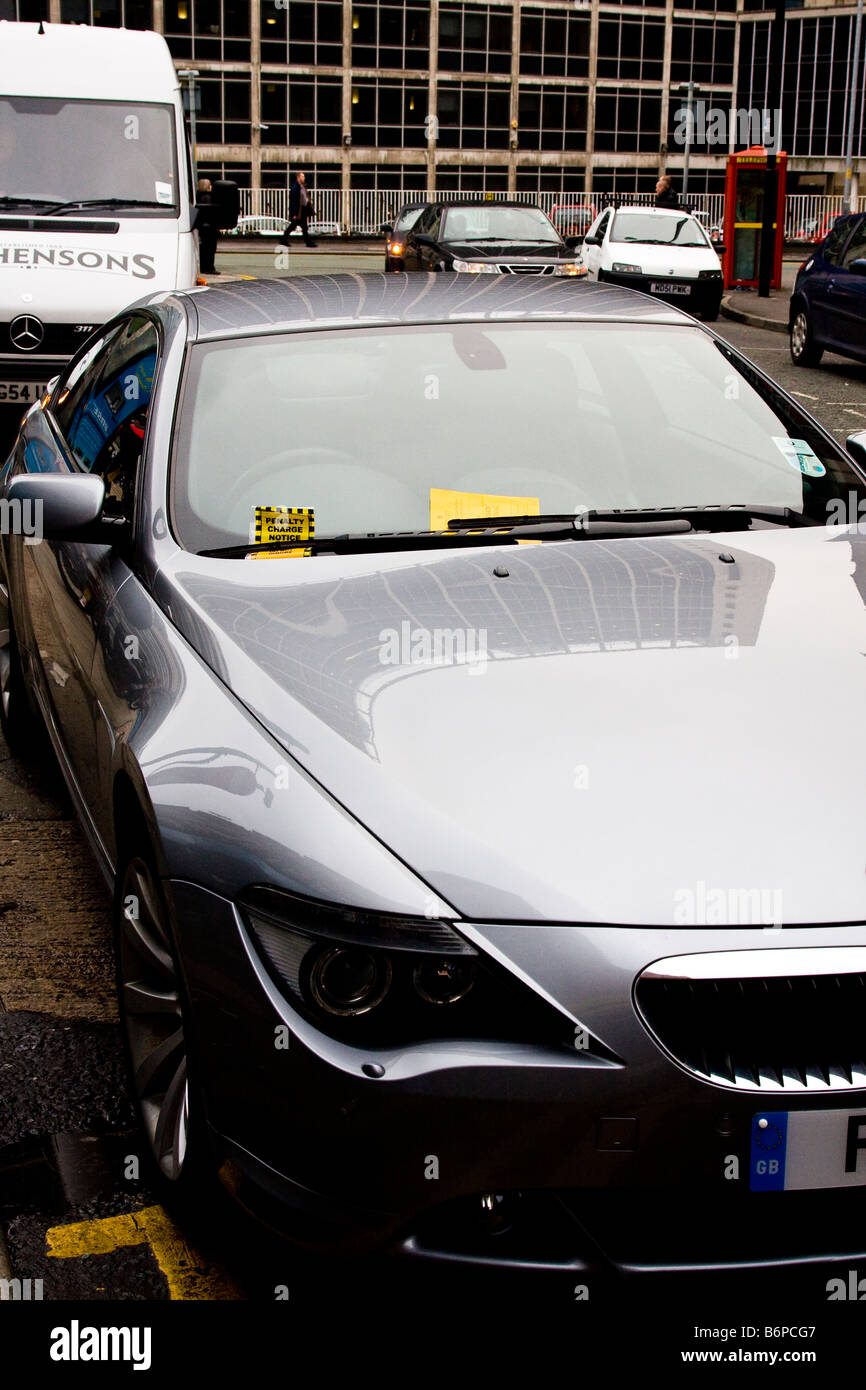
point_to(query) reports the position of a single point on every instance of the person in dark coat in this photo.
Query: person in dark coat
(299, 209)
(666, 194)
(208, 231)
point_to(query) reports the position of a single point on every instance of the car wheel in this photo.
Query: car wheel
(22, 728)
(155, 1019)
(804, 350)
(711, 314)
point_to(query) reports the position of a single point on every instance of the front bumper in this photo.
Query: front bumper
(701, 296)
(603, 1167)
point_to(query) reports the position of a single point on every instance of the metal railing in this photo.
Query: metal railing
(362, 211)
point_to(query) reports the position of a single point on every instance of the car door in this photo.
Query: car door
(94, 423)
(846, 296)
(592, 255)
(820, 284)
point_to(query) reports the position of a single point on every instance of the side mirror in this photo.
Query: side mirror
(223, 210)
(719, 247)
(386, 228)
(422, 239)
(856, 446)
(64, 506)
(858, 267)
(572, 241)
(592, 239)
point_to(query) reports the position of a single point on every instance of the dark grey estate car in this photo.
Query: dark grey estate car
(446, 671)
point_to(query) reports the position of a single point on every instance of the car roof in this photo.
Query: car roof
(306, 302)
(653, 212)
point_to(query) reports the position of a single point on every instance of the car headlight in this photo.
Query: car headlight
(570, 268)
(709, 275)
(379, 979)
(476, 267)
(396, 248)
(623, 268)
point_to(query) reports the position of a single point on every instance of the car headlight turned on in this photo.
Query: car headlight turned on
(571, 268)
(623, 268)
(475, 267)
(379, 979)
(395, 248)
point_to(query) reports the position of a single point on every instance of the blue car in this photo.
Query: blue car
(828, 305)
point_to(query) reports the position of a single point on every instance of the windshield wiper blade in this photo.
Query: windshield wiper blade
(78, 203)
(721, 516)
(9, 200)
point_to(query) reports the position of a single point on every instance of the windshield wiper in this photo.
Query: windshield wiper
(109, 203)
(8, 200)
(599, 524)
(720, 517)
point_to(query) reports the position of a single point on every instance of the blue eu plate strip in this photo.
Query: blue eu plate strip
(767, 1157)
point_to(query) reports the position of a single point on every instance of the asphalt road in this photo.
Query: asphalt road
(75, 1212)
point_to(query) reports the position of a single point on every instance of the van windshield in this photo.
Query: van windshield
(58, 151)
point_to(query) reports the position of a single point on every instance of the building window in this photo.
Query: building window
(473, 116)
(550, 119)
(628, 121)
(554, 44)
(224, 117)
(471, 178)
(475, 38)
(315, 112)
(307, 34)
(702, 52)
(631, 48)
(390, 36)
(115, 14)
(215, 30)
(389, 113)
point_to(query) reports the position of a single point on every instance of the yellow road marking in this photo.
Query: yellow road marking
(186, 1273)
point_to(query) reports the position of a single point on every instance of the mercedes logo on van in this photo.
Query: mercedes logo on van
(26, 332)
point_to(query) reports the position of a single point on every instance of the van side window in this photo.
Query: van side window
(104, 430)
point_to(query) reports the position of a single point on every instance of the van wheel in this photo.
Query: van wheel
(804, 350)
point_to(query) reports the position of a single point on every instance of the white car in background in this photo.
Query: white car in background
(662, 251)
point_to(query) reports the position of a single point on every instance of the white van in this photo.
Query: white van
(97, 206)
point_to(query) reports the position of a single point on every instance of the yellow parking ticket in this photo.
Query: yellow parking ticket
(448, 506)
(281, 524)
(277, 554)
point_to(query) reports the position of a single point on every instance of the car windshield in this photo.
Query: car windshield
(58, 150)
(491, 223)
(663, 229)
(371, 428)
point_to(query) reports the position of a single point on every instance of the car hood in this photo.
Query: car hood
(625, 731)
(663, 260)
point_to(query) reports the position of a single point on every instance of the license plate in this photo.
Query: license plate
(665, 287)
(22, 392)
(799, 1149)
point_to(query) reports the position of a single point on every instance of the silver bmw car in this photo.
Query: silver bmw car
(447, 673)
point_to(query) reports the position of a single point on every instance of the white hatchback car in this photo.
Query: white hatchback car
(662, 251)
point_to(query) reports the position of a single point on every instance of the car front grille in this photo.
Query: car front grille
(769, 1021)
(521, 269)
(59, 340)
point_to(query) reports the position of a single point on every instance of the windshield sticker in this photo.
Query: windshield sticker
(448, 506)
(281, 524)
(163, 192)
(797, 453)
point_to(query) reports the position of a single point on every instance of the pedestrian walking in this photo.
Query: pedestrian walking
(208, 231)
(300, 208)
(666, 194)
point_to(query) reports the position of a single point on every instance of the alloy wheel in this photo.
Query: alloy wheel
(150, 992)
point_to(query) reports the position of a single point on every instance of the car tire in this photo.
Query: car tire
(805, 352)
(22, 727)
(711, 314)
(156, 1024)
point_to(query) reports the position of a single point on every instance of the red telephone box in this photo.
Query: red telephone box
(744, 216)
